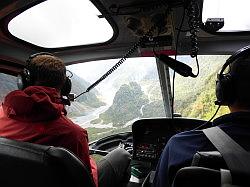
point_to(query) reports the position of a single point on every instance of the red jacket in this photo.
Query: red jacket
(1, 111)
(36, 115)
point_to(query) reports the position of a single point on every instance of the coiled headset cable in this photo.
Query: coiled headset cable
(122, 60)
(193, 13)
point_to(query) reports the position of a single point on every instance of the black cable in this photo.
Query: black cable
(182, 30)
(172, 104)
(198, 67)
(71, 74)
(205, 124)
(158, 34)
(176, 49)
(193, 22)
(121, 61)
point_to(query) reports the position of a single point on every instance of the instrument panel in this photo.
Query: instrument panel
(151, 135)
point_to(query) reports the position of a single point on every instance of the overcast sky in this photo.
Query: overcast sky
(234, 13)
(59, 23)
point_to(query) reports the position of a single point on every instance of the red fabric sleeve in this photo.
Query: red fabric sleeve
(94, 171)
(1, 111)
(83, 152)
(79, 146)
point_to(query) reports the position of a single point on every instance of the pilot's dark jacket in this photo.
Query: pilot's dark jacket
(180, 148)
(37, 115)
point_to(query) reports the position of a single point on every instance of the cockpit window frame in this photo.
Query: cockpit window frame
(239, 33)
(5, 21)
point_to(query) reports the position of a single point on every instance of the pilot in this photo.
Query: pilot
(233, 91)
(37, 114)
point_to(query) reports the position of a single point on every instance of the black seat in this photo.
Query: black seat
(235, 158)
(197, 177)
(209, 159)
(208, 169)
(27, 164)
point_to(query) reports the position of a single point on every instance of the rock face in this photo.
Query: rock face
(126, 106)
(7, 84)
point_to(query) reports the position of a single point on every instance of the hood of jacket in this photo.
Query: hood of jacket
(33, 104)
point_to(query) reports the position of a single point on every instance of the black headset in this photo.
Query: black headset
(26, 77)
(224, 85)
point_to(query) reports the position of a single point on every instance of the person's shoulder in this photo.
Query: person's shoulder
(70, 128)
(13, 94)
(187, 137)
(188, 134)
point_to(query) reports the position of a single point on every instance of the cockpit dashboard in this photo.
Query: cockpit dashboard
(151, 135)
(148, 137)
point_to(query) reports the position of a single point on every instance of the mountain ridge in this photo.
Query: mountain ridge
(78, 108)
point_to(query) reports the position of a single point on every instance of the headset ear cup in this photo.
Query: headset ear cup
(219, 93)
(23, 79)
(66, 87)
(224, 90)
(20, 82)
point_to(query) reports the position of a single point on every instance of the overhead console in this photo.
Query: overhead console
(151, 135)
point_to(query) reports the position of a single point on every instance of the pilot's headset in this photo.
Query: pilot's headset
(26, 76)
(225, 92)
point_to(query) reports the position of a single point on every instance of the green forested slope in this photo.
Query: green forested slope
(126, 105)
(195, 97)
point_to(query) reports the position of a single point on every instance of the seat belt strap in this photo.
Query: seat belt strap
(236, 158)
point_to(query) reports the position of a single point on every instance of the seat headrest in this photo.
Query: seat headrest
(197, 177)
(27, 164)
(209, 159)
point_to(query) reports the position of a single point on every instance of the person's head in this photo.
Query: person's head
(233, 88)
(45, 69)
(241, 82)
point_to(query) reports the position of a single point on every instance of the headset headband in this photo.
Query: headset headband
(241, 53)
(35, 55)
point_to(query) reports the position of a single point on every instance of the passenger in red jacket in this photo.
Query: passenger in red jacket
(36, 114)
